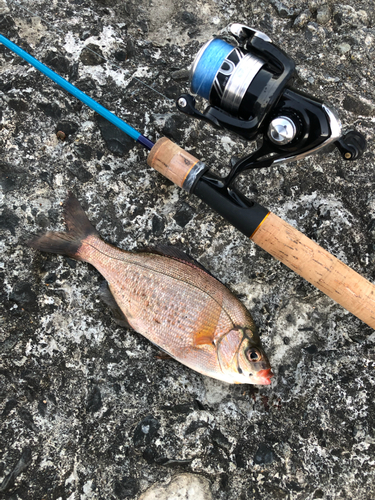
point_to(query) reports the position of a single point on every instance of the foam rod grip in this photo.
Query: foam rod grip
(319, 267)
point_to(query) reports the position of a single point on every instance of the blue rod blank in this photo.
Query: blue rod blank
(134, 134)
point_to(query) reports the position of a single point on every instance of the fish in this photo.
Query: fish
(170, 299)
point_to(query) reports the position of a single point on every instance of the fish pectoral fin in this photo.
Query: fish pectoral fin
(203, 338)
(206, 323)
(107, 297)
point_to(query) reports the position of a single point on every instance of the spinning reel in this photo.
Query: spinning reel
(247, 83)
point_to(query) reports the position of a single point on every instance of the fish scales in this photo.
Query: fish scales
(163, 299)
(175, 304)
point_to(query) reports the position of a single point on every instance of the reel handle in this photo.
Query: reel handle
(351, 145)
(267, 230)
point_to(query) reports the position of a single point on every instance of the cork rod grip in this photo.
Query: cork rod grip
(171, 161)
(319, 267)
(278, 238)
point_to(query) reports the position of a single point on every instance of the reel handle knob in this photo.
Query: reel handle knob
(351, 145)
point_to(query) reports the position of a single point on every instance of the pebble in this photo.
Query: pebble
(79, 171)
(302, 19)
(346, 14)
(344, 48)
(180, 74)
(369, 41)
(22, 464)
(11, 178)
(84, 151)
(323, 14)
(283, 8)
(94, 400)
(329, 79)
(184, 214)
(57, 62)
(91, 55)
(51, 109)
(264, 454)
(24, 296)
(127, 487)
(145, 431)
(181, 487)
(67, 127)
(4, 9)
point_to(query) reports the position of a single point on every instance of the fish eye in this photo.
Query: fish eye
(253, 355)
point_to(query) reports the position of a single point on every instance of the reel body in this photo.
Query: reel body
(248, 83)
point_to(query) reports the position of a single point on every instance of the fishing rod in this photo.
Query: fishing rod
(247, 82)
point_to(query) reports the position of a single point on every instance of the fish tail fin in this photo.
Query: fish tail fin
(68, 243)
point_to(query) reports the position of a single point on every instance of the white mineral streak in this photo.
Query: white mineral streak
(181, 487)
(3, 7)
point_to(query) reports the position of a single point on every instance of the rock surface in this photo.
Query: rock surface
(87, 409)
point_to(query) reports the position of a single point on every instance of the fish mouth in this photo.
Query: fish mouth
(263, 377)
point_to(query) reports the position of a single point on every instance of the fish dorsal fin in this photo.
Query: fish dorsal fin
(177, 254)
(206, 323)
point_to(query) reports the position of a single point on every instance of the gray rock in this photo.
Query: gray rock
(88, 409)
(4, 9)
(22, 464)
(181, 74)
(116, 141)
(358, 105)
(349, 15)
(284, 9)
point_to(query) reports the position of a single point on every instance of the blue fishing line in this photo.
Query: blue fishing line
(101, 110)
(208, 65)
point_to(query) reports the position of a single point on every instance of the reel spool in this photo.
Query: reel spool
(247, 82)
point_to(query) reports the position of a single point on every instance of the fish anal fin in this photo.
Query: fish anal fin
(164, 356)
(108, 298)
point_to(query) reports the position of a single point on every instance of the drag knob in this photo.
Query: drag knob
(282, 130)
